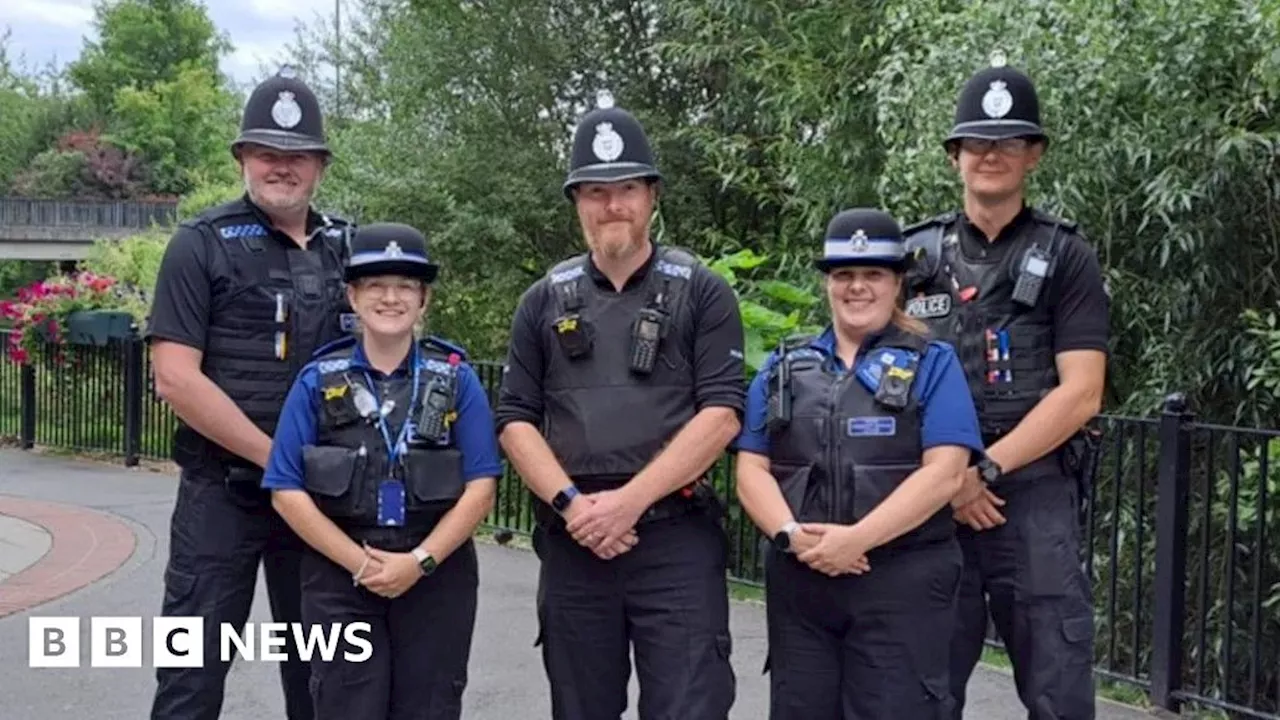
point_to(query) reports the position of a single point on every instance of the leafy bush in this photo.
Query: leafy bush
(134, 262)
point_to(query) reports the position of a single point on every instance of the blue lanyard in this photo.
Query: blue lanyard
(402, 437)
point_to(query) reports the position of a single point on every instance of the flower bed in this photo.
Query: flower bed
(80, 308)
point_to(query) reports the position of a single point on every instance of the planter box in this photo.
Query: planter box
(98, 327)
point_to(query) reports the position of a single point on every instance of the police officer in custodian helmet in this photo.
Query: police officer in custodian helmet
(246, 292)
(623, 386)
(1019, 292)
(385, 462)
(854, 443)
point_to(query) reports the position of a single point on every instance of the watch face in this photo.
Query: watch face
(782, 540)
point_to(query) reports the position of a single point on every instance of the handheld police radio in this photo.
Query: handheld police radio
(434, 417)
(780, 394)
(646, 336)
(1031, 276)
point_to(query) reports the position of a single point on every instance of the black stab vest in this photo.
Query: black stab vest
(350, 460)
(601, 419)
(274, 289)
(843, 451)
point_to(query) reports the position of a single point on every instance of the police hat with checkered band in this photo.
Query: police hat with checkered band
(863, 236)
(609, 145)
(997, 102)
(284, 114)
(389, 249)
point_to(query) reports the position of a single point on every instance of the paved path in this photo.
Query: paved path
(102, 552)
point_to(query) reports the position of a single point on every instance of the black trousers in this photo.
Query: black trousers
(862, 647)
(667, 597)
(218, 534)
(421, 641)
(1027, 573)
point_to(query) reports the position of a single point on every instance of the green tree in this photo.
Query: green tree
(182, 127)
(143, 43)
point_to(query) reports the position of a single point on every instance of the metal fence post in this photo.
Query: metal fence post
(133, 355)
(1174, 484)
(27, 391)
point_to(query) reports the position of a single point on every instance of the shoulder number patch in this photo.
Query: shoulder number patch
(929, 306)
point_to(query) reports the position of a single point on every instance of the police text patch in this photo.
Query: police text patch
(929, 306)
(872, 426)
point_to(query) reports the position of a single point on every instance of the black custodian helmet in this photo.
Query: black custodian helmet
(997, 102)
(282, 113)
(389, 249)
(609, 145)
(862, 236)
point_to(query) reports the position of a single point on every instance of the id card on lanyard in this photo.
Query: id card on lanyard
(391, 491)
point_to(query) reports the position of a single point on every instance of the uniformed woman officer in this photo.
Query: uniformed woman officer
(854, 443)
(384, 462)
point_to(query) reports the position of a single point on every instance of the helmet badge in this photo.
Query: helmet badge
(607, 144)
(997, 102)
(286, 112)
(393, 249)
(858, 243)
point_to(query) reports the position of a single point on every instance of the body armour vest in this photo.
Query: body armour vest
(997, 315)
(350, 460)
(605, 417)
(849, 439)
(280, 304)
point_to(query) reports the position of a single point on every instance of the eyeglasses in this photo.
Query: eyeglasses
(395, 288)
(1006, 146)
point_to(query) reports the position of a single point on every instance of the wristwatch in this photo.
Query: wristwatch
(988, 470)
(425, 561)
(562, 499)
(782, 540)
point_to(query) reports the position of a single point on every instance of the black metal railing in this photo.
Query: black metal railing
(1180, 534)
(19, 211)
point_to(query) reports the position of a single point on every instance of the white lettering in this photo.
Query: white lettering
(316, 636)
(243, 642)
(353, 639)
(270, 641)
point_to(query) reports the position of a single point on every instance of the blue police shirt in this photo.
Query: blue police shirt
(947, 413)
(473, 428)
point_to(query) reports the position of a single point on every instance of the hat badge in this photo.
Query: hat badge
(858, 243)
(997, 102)
(607, 144)
(393, 249)
(286, 112)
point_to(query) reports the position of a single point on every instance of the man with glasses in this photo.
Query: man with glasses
(1019, 293)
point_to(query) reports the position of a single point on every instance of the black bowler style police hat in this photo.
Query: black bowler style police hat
(862, 236)
(997, 102)
(609, 145)
(389, 249)
(282, 113)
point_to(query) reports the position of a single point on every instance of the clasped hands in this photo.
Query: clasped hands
(389, 574)
(604, 522)
(975, 505)
(831, 549)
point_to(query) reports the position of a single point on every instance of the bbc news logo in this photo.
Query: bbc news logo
(179, 642)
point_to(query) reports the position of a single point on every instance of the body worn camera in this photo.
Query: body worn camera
(433, 418)
(1031, 276)
(895, 383)
(572, 332)
(646, 336)
(779, 396)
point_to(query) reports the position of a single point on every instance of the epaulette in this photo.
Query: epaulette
(1046, 218)
(568, 269)
(344, 343)
(676, 261)
(334, 356)
(440, 345)
(945, 218)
